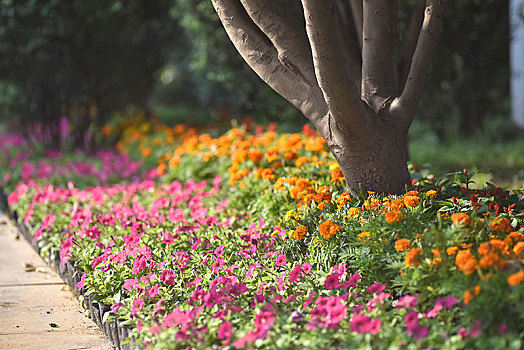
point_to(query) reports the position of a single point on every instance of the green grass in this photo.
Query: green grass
(505, 161)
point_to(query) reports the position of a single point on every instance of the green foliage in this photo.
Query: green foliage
(81, 59)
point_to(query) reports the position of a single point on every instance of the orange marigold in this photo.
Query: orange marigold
(516, 236)
(402, 244)
(300, 232)
(466, 261)
(328, 229)
(353, 211)
(452, 250)
(337, 175)
(300, 161)
(468, 296)
(431, 193)
(518, 248)
(267, 174)
(411, 201)
(364, 235)
(413, 257)
(343, 199)
(501, 224)
(255, 155)
(393, 215)
(436, 256)
(489, 260)
(461, 218)
(516, 278)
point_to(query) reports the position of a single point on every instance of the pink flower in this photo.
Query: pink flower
(225, 331)
(463, 332)
(407, 302)
(252, 268)
(440, 304)
(153, 291)
(372, 303)
(413, 327)
(116, 306)
(217, 265)
(352, 282)
(138, 303)
(131, 283)
(376, 288)
(306, 268)
(281, 282)
(211, 220)
(248, 338)
(332, 281)
(294, 275)
(212, 298)
(158, 306)
(168, 277)
(65, 251)
(264, 320)
(280, 260)
(82, 282)
(362, 324)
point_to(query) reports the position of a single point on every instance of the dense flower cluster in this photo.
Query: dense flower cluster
(274, 253)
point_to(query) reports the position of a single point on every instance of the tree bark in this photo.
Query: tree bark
(353, 97)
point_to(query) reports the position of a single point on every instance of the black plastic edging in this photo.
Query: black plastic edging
(114, 330)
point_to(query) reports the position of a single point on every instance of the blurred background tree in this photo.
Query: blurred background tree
(87, 59)
(79, 59)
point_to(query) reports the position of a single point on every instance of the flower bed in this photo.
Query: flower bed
(273, 253)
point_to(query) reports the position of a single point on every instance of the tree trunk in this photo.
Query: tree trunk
(372, 157)
(350, 95)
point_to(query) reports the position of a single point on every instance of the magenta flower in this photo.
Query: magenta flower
(413, 327)
(138, 303)
(306, 268)
(376, 288)
(212, 298)
(168, 277)
(362, 324)
(225, 331)
(352, 282)
(116, 306)
(332, 281)
(440, 304)
(264, 320)
(153, 291)
(280, 260)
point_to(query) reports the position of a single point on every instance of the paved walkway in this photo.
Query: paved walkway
(37, 309)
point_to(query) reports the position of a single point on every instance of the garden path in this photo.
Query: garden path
(37, 309)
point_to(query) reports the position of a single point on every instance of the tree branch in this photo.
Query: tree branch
(380, 37)
(356, 11)
(286, 33)
(258, 51)
(410, 42)
(337, 74)
(426, 45)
